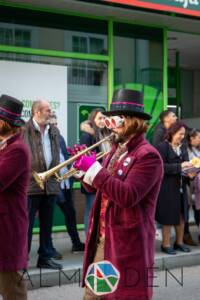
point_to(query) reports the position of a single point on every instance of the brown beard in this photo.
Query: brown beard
(121, 138)
(117, 138)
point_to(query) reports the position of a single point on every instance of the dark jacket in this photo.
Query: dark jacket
(15, 168)
(33, 139)
(88, 135)
(170, 202)
(130, 228)
(159, 134)
(63, 148)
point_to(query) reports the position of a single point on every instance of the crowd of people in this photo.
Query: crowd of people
(177, 145)
(122, 198)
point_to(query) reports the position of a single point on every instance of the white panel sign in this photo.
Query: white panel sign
(31, 81)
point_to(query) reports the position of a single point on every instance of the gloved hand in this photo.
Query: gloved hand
(83, 163)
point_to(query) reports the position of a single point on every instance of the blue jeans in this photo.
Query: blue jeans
(89, 201)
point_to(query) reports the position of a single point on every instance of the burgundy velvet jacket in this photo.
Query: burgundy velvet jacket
(14, 177)
(130, 219)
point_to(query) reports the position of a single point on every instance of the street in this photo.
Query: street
(180, 284)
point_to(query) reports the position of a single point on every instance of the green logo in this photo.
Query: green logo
(102, 278)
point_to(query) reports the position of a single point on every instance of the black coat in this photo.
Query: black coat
(170, 201)
(159, 134)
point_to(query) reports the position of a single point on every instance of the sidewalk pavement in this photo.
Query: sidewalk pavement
(72, 263)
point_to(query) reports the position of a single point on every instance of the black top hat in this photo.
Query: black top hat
(10, 110)
(129, 103)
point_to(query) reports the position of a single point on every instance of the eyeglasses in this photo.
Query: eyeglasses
(113, 122)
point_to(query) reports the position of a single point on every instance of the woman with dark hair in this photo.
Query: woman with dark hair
(93, 130)
(194, 143)
(172, 205)
(193, 139)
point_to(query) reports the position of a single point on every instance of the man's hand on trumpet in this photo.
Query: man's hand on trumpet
(84, 162)
(42, 177)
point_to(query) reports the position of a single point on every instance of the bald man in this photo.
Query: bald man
(43, 141)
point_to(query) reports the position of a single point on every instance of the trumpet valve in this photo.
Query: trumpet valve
(58, 178)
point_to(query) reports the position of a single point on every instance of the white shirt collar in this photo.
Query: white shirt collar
(36, 125)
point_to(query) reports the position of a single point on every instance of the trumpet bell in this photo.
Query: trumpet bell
(39, 179)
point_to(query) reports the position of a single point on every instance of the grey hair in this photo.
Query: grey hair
(36, 106)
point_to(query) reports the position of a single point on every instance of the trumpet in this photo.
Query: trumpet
(73, 171)
(42, 177)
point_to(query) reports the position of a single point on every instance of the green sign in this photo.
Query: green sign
(188, 7)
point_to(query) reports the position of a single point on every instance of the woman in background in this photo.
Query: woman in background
(93, 130)
(194, 189)
(172, 205)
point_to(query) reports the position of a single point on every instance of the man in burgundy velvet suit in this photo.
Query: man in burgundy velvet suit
(121, 228)
(14, 177)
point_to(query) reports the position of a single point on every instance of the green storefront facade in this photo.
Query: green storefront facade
(107, 45)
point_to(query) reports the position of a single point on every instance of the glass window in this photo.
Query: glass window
(184, 75)
(87, 85)
(18, 37)
(6, 36)
(190, 95)
(138, 55)
(79, 44)
(95, 44)
(23, 38)
(21, 27)
(138, 64)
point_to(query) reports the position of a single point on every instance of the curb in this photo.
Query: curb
(38, 278)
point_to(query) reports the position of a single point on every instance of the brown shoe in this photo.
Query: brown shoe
(187, 239)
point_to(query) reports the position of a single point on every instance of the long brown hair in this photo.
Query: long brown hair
(93, 114)
(135, 126)
(7, 129)
(98, 131)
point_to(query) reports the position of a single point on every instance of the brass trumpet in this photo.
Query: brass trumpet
(41, 178)
(73, 171)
